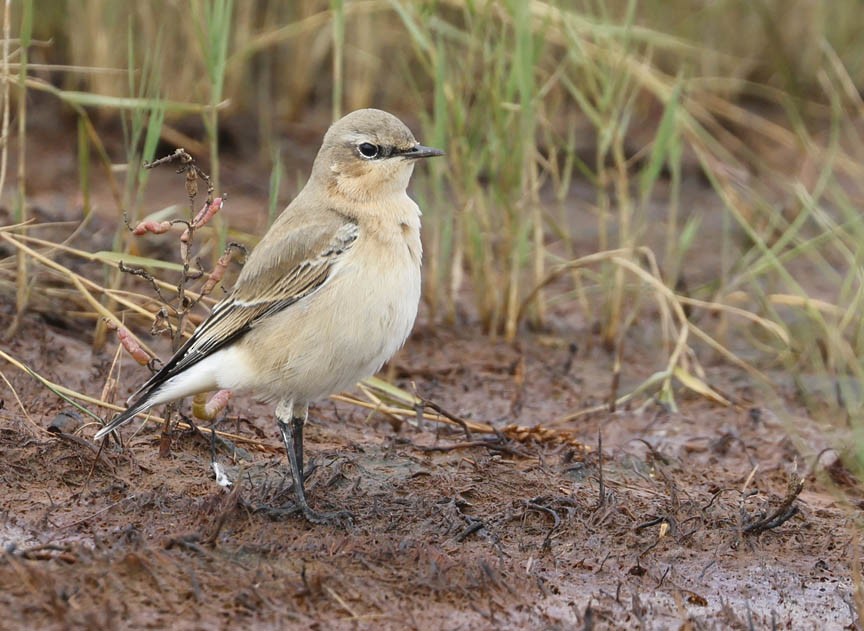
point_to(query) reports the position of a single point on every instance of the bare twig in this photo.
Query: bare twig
(780, 515)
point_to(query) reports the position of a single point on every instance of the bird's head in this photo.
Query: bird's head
(368, 154)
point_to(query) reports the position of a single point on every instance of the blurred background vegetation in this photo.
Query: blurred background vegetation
(683, 171)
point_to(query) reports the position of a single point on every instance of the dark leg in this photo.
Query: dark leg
(291, 427)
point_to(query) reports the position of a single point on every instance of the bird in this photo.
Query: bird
(327, 296)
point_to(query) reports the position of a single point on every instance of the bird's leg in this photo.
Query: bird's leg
(291, 427)
(297, 423)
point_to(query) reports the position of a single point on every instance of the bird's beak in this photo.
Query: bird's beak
(419, 151)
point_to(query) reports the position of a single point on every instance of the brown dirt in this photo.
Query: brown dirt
(508, 535)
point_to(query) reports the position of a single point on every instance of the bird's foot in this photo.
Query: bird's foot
(277, 512)
(292, 508)
(337, 518)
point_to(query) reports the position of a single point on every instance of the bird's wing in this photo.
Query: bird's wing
(290, 263)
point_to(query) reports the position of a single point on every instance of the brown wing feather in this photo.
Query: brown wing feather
(283, 269)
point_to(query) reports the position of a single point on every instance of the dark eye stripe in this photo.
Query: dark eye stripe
(372, 151)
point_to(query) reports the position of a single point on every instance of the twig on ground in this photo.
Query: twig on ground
(535, 505)
(83, 442)
(230, 502)
(780, 515)
(424, 403)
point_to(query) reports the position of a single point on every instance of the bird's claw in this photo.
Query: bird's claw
(313, 517)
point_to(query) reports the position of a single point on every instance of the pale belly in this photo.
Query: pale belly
(353, 324)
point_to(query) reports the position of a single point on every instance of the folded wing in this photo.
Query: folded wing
(290, 264)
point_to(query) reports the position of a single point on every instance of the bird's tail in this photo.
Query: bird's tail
(141, 405)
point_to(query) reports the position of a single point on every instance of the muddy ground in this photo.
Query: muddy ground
(680, 524)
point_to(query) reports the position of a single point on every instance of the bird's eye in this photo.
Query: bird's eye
(368, 150)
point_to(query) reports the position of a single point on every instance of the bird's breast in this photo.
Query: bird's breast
(367, 308)
(389, 264)
(345, 331)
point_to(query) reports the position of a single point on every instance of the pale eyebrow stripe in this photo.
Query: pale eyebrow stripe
(356, 138)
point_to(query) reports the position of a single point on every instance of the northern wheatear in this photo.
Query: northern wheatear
(328, 295)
